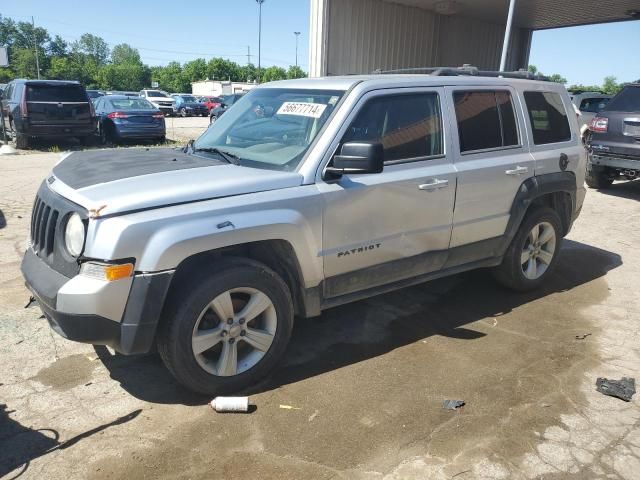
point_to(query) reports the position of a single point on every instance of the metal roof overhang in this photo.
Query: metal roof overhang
(538, 14)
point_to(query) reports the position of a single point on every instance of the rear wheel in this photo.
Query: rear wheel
(106, 135)
(20, 140)
(598, 178)
(533, 252)
(226, 331)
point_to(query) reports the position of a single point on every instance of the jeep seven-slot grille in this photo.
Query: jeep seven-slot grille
(44, 221)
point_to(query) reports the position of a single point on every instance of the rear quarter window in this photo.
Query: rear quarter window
(548, 117)
(56, 93)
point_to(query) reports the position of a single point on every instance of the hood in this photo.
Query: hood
(116, 181)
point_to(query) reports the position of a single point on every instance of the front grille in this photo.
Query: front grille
(48, 218)
(44, 222)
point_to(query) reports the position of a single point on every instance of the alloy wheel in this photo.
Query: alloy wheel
(234, 331)
(538, 251)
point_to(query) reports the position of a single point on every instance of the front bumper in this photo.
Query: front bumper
(621, 162)
(77, 308)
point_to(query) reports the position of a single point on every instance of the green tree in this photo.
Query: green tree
(556, 77)
(64, 68)
(532, 69)
(124, 53)
(222, 69)
(58, 47)
(23, 63)
(274, 73)
(170, 78)
(295, 72)
(195, 70)
(124, 76)
(611, 86)
(92, 46)
(248, 73)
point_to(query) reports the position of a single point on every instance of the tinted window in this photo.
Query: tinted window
(56, 93)
(593, 105)
(155, 93)
(628, 100)
(548, 117)
(485, 120)
(408, 126)
(131, 104)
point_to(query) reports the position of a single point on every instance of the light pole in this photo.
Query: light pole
(297, 34)
(259, 2)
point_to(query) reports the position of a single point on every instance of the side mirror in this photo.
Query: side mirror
(358, 157)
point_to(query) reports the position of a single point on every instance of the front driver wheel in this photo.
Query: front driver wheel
(226, 331)
(533, 253)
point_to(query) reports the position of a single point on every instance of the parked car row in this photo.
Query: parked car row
(62, 109)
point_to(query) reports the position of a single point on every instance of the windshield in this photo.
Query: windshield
(131, 104)
(156, 93)
(271, 127)
(189, 98)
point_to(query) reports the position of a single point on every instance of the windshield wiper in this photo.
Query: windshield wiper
(226, 156)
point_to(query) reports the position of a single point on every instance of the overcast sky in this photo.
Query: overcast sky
(164, 31)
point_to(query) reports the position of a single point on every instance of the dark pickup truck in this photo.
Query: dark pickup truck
(614, 150)
(47, 108)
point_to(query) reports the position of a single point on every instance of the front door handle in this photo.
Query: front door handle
(434, 184)
(517, 171)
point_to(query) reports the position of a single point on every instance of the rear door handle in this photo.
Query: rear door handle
(517, 171)
(434, 185)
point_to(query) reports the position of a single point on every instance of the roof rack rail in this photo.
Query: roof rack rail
(465, 69)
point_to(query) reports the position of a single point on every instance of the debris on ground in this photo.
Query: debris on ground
(623, 389)
(289, 407)
(32, 299)
(582, 337)
(452, 404)
(230, 404)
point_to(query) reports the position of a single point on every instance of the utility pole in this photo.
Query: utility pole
(297, 34)
(248, 55)
(259, 2)
(35, 46)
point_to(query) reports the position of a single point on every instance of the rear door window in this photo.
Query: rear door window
(548, 117)
(56, 93)
(408, 125)
(486, 120)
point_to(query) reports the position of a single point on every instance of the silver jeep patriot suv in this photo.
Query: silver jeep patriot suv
(305, 195)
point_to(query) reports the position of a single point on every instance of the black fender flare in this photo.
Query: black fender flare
(533, 188)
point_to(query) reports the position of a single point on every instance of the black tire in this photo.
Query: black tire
(212, 119)
(106, 135)
(162, 139)
(510, 272)
(183, 112)
(20, 140)
(184, 307)
(86, 141)
(598, 178)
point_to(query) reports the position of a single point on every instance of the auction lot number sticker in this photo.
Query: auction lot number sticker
(302, 109)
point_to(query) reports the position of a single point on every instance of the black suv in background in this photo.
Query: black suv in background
(47, 108)
(615, 141)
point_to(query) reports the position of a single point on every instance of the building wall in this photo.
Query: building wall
(217, 88)
(360, 36)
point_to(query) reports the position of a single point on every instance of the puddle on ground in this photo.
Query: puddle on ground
(67, 372)
(376, 373)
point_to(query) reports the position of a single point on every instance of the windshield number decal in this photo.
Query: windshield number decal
(312, 110)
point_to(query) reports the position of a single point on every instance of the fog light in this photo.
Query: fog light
(105, 271)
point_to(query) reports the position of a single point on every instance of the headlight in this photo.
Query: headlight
(74, 235)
